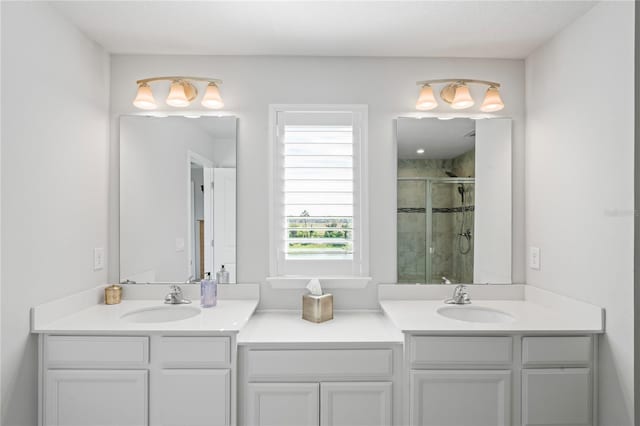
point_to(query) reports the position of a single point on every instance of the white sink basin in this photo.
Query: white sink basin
(474, 314)
(166, 313)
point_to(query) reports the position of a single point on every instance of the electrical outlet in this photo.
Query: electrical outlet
(98, 258)
(534, 258)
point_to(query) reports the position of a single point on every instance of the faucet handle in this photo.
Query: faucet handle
(175, 296)
(460, 289)
(460, 296)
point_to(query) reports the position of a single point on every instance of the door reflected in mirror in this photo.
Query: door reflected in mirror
(445, 229)
(177, 198)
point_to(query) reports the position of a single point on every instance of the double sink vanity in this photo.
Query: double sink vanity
(391, 355)
(516, 355)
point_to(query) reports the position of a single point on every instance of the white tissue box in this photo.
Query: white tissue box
(317, 308)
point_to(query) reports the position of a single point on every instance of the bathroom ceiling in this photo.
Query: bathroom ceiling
(440, 139)
(473, 29)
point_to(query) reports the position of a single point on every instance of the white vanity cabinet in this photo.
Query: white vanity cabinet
(137, 380)
(96, 397)
(325, 404)
(320, 385)
(557, 381)
(500, 380)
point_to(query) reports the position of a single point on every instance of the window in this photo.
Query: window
(318, 192)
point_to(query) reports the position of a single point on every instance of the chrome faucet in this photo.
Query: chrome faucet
(175, 296)
(460, 296)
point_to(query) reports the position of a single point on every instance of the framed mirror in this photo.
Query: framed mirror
(177, 198)
(454, 200)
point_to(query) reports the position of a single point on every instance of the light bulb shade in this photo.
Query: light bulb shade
(426, 100)
(492, 100)
(462, 98)
(212, 98)
(181, 94)
(144, 98)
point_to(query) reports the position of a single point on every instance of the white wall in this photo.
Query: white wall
(55, 103)
(579, 181)
(386, 85)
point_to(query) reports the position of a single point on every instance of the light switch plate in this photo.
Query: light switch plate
(180, 244)
(98, 258)
(534, 257)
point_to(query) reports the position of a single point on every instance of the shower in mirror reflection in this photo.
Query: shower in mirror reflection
(436, 170)
(444, 229)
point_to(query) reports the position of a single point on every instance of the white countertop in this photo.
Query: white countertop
(229, 316)
(420, 316)
(345, 327)
(410, 309)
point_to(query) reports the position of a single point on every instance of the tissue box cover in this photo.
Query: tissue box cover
(317, 308)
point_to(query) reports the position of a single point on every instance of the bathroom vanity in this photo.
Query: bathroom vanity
(536, 365)
(529, 361)
(347, 371)
(136, 364)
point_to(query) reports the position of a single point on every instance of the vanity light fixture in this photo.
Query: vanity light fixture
(181, 93)
(419, 151)
(456, 93)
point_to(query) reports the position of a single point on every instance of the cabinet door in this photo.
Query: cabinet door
(355, 404)
(460, 398)
(283, 404)
(194, 397)
(556, 397)
(95, 398)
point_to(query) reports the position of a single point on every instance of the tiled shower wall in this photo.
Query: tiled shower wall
(412, 233)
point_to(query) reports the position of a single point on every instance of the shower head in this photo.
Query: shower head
(450, 173)
(461, 192)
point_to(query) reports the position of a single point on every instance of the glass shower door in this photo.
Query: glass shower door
(435, 230)
(412, 231)
(452, 231)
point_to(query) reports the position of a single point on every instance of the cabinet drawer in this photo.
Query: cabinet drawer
(196, 351)
(96, 351)
(429, 350)
(338, 364)
(575, 350)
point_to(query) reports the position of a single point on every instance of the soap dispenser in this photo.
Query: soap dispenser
(208, 291)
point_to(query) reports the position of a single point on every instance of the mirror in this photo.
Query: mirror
(454, 200)
(177, 198)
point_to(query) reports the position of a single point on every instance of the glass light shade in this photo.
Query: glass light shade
(144, 98)
(212, 98)
(462, 99)
(426, 100)
(177, 96)
(492, 100)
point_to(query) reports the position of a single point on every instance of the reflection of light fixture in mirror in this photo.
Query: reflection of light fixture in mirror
(456, 93)
(419, 151)
(181, 93)
(426, 100)
(446, 117)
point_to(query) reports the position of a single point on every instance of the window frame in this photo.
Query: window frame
(359, 265)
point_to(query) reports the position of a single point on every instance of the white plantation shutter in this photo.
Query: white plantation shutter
(318, 226)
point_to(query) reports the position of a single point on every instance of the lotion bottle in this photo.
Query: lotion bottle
(222, 276)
